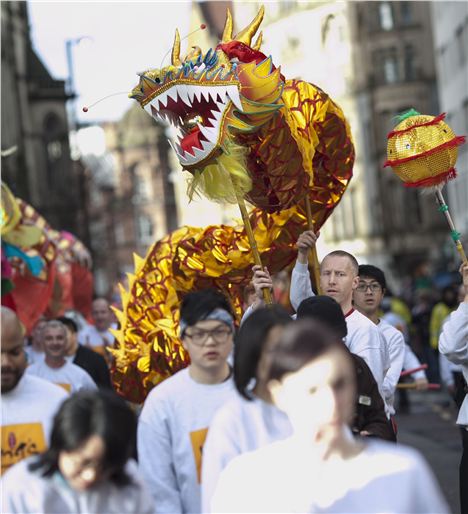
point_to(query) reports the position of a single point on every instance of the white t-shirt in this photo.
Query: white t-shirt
(70, 376)
(27, 417)
(363, 337)
(286, 477)
(90, 336)
(26, 491)
(172, 429)
(238, 427)
(33, 355)
(453, 343)
(396, 350)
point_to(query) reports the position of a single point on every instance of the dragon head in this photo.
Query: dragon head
(210, 98)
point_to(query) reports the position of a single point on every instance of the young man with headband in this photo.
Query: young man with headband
(177, 413)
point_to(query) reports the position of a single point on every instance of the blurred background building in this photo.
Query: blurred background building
(34, 120)
(450, 25)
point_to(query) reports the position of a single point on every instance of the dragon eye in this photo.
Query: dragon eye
(157, 80)
(407, 146)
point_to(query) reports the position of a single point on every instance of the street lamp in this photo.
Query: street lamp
(70, 91)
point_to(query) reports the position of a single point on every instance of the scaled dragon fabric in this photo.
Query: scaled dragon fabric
(44, 271)
(242, 129)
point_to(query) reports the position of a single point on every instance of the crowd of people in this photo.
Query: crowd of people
(282, 414)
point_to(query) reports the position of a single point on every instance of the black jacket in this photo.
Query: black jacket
(94, 364)
(369, 408)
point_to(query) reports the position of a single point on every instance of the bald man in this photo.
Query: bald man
(97, 336)
(28, 403)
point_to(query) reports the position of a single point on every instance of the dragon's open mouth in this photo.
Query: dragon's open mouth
(196, 112)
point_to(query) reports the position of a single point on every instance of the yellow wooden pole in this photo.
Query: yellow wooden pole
(443, 207)
(313, 258)
(250, 235)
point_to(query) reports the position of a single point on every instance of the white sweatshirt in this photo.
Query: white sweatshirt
(26, 491)
(396, 350)
(70, 376)
(410, 361)
(238, 427)
(453, 343)
(171, 433)
(363, 337)
(90, 336)
(286, 477)
(27, 417)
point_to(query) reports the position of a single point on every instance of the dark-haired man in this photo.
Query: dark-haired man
(177, 413)
(367, 298)
(28, 403)
(338, 279)
(85, 358)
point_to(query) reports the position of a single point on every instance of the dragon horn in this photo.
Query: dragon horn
(227, 32)
(245, 36)
(176, 50)
(258, 43)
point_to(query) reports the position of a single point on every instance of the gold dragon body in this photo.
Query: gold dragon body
(241, 129)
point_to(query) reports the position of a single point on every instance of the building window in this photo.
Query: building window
(390, 67)
(386, 66)
(145, 230)
(461, 49)
(410, 71)
(406, 12)
(385, 16)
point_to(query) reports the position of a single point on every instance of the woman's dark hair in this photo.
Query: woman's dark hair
(69, 323)
(249, 343)
(83, 415)
(197, 305)
(301, 343)
(325, 310)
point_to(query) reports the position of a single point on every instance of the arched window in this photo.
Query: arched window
(53, 133)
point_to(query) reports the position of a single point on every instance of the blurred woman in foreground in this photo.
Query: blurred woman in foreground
(321, 467)
(87, 468)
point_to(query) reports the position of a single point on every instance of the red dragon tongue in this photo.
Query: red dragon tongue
(191, 140)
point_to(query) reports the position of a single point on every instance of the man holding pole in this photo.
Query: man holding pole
(339, 279)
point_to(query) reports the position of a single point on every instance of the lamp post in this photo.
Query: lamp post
(75, 153)
(71, 93)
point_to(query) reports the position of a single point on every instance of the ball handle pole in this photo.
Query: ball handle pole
(251, 237)
(443, 207)
(313, 258)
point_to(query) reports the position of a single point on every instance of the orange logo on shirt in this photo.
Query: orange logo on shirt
(198, 437)
(67, 387)
(21, 441)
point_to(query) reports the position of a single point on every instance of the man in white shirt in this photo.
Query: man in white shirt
(28, 403)
(367, 298)
(98, 336)
(177, 413)
(338, 279)
(55, 367)
(453, 343)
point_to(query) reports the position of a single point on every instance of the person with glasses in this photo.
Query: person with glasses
(178, 412)
(87, 467)
(339, 279)
(367, 297)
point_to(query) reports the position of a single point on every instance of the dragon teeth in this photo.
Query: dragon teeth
(233, 94)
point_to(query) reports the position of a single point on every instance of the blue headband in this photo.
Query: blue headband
(218, 315)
